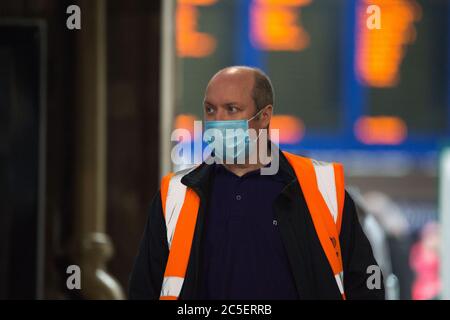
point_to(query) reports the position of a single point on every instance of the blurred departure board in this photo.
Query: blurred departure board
(205, 32)
(338, 83)
(308, 76)
(417, 89)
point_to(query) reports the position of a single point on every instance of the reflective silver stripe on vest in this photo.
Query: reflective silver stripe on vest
(174, 202)
(340, 281)
(327, 185)
(171, 286)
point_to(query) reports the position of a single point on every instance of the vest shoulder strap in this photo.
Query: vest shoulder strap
(173, 195)
(322, 186)
(327, 178)
(180, 208)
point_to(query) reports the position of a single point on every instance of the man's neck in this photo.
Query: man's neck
(241, 169)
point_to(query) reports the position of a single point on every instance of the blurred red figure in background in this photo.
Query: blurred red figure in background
(424, 261)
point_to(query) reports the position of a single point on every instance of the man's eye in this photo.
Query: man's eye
(232, 109)
(209, 110)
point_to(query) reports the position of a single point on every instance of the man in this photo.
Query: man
(226, 231)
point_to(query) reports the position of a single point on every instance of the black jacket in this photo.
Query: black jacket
(312, 273)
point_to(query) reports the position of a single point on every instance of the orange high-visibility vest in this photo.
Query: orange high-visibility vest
(322, 185)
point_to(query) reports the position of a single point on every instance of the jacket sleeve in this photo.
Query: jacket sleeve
(360, 266)
(148, 271)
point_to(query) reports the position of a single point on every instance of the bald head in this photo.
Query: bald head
(255, 81)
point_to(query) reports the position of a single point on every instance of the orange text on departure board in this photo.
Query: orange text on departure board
(379, 52)
(383, 130)
(275, 25)
(189, 41)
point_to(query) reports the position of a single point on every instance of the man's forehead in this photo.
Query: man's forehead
(231, 81)
(232, 74)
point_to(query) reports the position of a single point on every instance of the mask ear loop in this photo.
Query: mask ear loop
(257, 138)
(255, 115)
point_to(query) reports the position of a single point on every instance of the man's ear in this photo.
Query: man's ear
(266, 115)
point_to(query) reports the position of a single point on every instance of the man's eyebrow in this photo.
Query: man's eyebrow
(231, 104)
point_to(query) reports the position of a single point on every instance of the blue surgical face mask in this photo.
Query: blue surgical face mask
(233, 135)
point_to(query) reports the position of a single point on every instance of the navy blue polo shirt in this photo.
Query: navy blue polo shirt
(242, 251)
